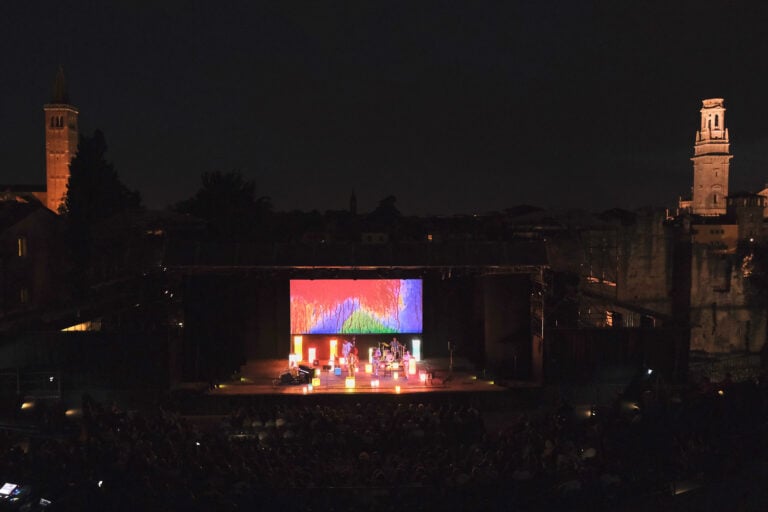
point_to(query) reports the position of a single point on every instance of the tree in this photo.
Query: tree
(228, 202)
(386, 216)
(94, 194)
(94, 191)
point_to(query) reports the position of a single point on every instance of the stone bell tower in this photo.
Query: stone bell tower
(711, 160)
(60, 142)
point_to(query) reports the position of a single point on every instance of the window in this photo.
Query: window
(21, 247)
(716, 120)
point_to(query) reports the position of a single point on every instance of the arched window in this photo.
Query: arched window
(709, 124)
(716, 120)
(715, 198)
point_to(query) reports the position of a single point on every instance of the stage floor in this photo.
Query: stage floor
(260, 377)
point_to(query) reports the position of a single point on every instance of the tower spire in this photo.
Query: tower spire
(711, 160)
(60, 142)
(60, 92)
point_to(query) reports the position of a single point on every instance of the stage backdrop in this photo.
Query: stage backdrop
(356, 306)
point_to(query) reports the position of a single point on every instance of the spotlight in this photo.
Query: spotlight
(650, 371)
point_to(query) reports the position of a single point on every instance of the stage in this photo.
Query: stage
(262, 377)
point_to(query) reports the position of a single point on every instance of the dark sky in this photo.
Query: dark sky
(453, 107)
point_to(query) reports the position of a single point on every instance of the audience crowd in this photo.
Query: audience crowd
(395, 455)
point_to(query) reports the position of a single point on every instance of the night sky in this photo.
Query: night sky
(453, 107)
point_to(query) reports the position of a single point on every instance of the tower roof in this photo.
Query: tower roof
(60, 91)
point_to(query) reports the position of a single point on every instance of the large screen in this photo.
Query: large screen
(356, 306)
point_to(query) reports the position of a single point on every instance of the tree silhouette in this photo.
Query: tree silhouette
(228, 202)
(94, 194)
(94, 191)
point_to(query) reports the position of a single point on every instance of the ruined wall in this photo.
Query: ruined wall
(630, 261)
(722, 318)
(645, 270)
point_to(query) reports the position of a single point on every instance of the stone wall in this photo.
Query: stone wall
(722, 318)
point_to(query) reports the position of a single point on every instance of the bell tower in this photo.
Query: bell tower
(711, 160)
(60, 142)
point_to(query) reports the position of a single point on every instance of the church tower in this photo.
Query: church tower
(711, 160)
(60, 142)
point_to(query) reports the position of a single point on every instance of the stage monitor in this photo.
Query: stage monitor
(356, 306)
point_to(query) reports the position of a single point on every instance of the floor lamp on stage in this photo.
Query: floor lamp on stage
(416, 349)
(297, 346)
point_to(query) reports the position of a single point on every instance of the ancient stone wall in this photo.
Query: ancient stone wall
(722, 317)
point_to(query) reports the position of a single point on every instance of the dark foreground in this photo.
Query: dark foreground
(701, 448)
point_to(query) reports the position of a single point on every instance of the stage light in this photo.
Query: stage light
(349, 383)
(298, 349)
(101, 482)
(72, 412)
(311, 354)
(412, 367)
(397, 389)
(416, 346)
(27, 405)
(316, 382)
(720, 392)
(368, 368)
(334, 346)
(650, 371)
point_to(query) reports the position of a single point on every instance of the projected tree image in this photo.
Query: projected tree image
(365, 306)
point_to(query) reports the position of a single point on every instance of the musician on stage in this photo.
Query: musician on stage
(395, 347)
(352, 358)
(376, 361)
(406, 360)
(346, 349)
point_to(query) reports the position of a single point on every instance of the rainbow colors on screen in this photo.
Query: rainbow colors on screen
(356, 306)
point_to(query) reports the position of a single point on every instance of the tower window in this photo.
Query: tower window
(21, 246)
(716, 120)
(715, 198)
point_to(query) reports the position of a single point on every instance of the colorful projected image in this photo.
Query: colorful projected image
(362, 306)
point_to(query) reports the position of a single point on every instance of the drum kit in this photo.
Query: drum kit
(391, 355)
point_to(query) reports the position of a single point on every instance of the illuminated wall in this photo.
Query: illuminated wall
(356, 306)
